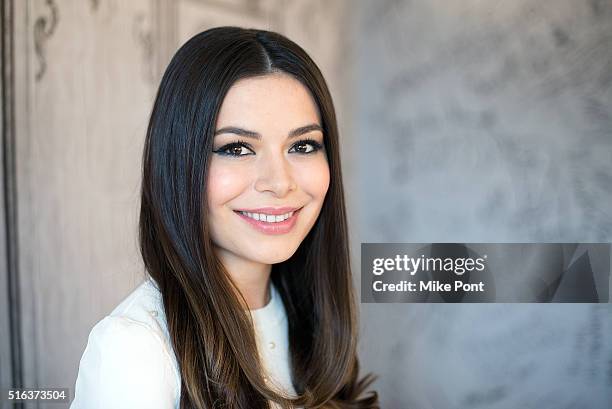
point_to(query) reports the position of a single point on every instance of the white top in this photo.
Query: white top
(129, 361)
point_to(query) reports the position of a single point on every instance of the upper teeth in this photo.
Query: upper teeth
(271, 218)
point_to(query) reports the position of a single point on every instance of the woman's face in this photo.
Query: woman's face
(269, 173)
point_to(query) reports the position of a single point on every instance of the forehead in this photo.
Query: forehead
(271, 101)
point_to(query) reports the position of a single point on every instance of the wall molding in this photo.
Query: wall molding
(44, 27)
(11, 367)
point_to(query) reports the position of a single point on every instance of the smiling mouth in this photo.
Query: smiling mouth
(268, 218)
(270, 223)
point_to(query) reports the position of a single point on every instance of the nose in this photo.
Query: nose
(274, 174)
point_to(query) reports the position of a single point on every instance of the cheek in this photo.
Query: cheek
(314, 179)
(225, 182)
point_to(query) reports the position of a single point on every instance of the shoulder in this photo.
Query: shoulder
(128, 361)
(144, 306)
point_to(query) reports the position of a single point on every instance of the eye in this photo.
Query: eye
(306, 146)
(235, 149)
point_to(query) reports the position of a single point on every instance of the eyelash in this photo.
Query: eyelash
(222, 150)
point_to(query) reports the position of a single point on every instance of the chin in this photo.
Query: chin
(271, 256)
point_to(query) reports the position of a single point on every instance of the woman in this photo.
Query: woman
(249, 300)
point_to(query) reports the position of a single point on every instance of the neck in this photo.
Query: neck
(251, 278)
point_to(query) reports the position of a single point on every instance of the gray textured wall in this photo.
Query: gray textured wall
(485, 121)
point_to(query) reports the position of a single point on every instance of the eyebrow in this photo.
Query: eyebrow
(252, 134)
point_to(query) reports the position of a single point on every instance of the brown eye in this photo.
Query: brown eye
(306, 147)
(234, 149)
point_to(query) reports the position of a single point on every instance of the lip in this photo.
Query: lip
(268, 227)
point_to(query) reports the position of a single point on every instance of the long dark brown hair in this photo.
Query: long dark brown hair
(213, 339)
